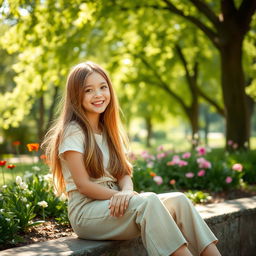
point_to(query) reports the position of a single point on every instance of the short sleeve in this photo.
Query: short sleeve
(73, 140)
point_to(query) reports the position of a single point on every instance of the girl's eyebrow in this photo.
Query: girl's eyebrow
(88, 85)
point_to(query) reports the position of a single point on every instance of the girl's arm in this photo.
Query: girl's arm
(125, 183)
(81, 178)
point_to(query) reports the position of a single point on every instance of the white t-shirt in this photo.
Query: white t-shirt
(74, 140)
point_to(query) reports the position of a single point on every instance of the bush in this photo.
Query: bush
(165, 170)
(27, 202)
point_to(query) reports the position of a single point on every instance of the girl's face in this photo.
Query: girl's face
(96, 94)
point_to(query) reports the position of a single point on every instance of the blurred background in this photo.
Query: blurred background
(184, 70)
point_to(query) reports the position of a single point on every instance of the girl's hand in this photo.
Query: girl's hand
(119, 202)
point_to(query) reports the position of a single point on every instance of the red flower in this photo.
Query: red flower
(33, 147)
(43, 157)
(2, 163)
(11, 166)
(16, 143)
(173, 182)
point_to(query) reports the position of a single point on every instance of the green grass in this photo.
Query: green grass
(19, 170)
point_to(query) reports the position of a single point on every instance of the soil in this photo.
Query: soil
(50, 229)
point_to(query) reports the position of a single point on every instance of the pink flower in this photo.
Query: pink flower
(203, 163)
(161, 155)
(132, 156)
(170, 163)
(176, 159)
(201, 173)
(237, 167)
(160, 148)
(182, 163)
(145, 154)
(189, 175)
(228, 179)
(158, 180)
(186, 155)
(151, 157)
(230, 142)
(150, 164)
(201, 151)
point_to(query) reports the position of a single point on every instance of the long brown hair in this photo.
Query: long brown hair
(71, 110)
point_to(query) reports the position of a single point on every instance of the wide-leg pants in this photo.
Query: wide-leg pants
(164, 221)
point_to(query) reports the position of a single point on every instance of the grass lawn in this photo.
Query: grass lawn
(19, 170)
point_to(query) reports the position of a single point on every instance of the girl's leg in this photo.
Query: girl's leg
(145, 215)
(191, 224)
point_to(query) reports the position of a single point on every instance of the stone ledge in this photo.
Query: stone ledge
(232, 221)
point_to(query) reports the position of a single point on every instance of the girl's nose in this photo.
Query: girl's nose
(97, 93)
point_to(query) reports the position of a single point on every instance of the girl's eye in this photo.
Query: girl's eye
(104, 87)
(88, 90)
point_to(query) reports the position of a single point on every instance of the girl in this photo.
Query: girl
(87, 150)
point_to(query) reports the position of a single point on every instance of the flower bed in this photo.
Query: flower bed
(29, 201)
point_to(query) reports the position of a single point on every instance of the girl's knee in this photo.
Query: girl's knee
(181, 199)
(144, 198)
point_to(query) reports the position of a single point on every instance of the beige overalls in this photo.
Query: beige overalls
(164, 221)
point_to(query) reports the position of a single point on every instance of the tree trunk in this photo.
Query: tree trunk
(41, 123)
(206, 124)
(194, 121)
(233, 87)
(149, 131)
(52, 108)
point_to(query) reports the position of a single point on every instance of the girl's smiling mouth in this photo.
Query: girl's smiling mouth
(98, 103)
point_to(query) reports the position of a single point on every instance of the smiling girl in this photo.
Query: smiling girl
(87, 149)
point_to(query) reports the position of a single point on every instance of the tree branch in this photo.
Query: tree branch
(204, 8)
(163, 84)
(184, 62)
(208, 31)
(218, 108)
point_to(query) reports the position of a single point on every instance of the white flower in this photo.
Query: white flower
(27, 174)
(24, 199)
(1, 210)
(4, 186)
(63, 197)
(150, 164)
(36, 168)
(23, 185)
(43, 204)
(48, 177)
(18, 180)
(7, 219)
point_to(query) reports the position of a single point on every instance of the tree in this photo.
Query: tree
(227, 32)
(225, 24)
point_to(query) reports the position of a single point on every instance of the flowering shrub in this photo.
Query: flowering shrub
(27, 202)
(215, 171)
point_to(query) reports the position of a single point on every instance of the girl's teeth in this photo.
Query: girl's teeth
(98, 103)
